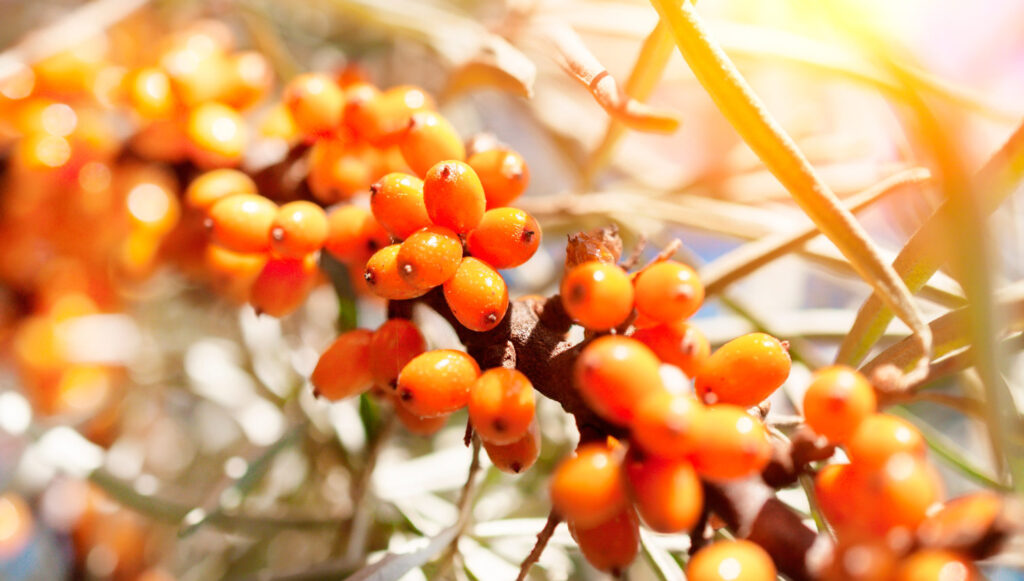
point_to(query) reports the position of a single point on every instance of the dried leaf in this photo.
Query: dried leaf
(497, 64)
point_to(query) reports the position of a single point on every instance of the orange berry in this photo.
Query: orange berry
(477, 295)
(429, 257)
(668, 291)
(744, 371)
(217, 135)
(598, 296)
(667, 493)
(681, 344)
(664, 424)
(420, 426)
(316, 103)
(612, 544)
(964, 520)
(861, 560)
(430, 139)
(503, 173)
(733, 444)
(504, 238)
(437, 382)
(230, 273)
(614, 374)
(353, 235)
(382, 117)
(936, 565)
(519, 455)
(153, 207)
(299, 229)
(338, 170)
(283, 284)
(149, 93)
(737, 560)
(210, 187)
(242, 222)
(880, 436)
(588, 488)
(454, 196)
(343, 369)
(841, 495)
(837, 401)
(250, 79)
(385, 280)
(395, 344)
(501, 405)
(397, 203)
(902, 491)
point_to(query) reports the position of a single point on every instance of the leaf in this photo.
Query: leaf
(496, 64)
(664, 566)
(394, 565)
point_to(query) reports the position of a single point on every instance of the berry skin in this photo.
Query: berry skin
(283, 284)
(212, 186)
(430, 139)
(429, 257)
(315, 102)
(241, 223)
(501, 405)
(904, 490)
(681, 344)
(343, 370)
(477, 295)
(232, 274)
(397, 202)
(339, 169)
(667, 493)
(216, 135)
(384, 279)
(395, 344)
(841, 495)
(504, 238)
(612, 544)
(837, 401)
(420, 426)
(588, 488)
(664, 425)
(668, 291)
(737, 560)
(503, 173)
(935, 565)
(879, 437)
(598, 296)
(744, 371)
(382, 117)
(861, 560)
(962, 522)
(519, 455)
(149, 93)
(614, 374)
(733, 444)
(454, 196)
(437, 382)
(354, 235)
(299, 229)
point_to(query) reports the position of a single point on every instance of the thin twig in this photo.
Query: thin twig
(542, 541)
(358, 525)
(465, 506)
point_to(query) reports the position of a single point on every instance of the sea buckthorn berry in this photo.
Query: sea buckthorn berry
(612, 544)
(903, 491)
(437, 382)
(231, 274)
(519, 455)
(353, 235)
(216, 134)
(384, 279)
(397, 203)
(316, 103)
(343, 369)
(668, 291)
(501, 405)
(737, 560)
(429, 257)
(614, 374)
(430, 139)
(936, 565)
(242, 222)
(667, 493)
(744, 371)
(588, 488)
(454, 196)
(283, 284)
(299, 229)
(149, 93)
(837, 401)
(477, 295)
(503, 173)
(841, 493)
(381, 118)
(664, 424)
(420, 426)
(733, 444)
(879, 436)
(504, 238)
(395, 343)
(681, 344)
(338, 170)
(250, 78)
(212, 186)
(861, 560)
(598, 296)
(962, 523)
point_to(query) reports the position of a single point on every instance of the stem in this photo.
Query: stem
(359, 524)
(538, 548)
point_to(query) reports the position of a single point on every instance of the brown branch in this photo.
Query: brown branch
(542, 541)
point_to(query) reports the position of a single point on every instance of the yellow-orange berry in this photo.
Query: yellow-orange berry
(149, 93)
(354, 235)
(382, 117)
(395, 344)
(841, 495)
(737, 560)
(612, 544)
(501, 405)
(418, 425)
(477, 295)
(430, 139)
(733, 444)
(212, 186)
(598, 296)
(668, 291)
(837, 401)
(519, 455)
(744, 371)
(962, 522)
(880, 436)
(383, 277)
(667, 493)
(903, 491)
(397, 203)
(681, 344)
(454, 196)
(283, 284)
(504, 238)
(217, 135)
(437, 382)
(343, 369)
(614, 374)
(588, 488)
(861, 560)
(250, 78)
(230, 273)
(664, 424)
(299, 229)
(242, 222)
(429, 257)
(936, 565)
(503, 173)
(316, 103)
(339, 169)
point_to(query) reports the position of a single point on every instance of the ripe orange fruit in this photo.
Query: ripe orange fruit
(668, 291)
(612, 544)
(519, 455)
(394, 344)
(737, 560)
(477, 295)
(733, 444)
(343, 369)
(503, 173)
(667, 493)
(588, 488)
(397, 202)
(241, 223)
(614, 374)
(299, 229)
(437, 382)
(681, 344)
(744, 371)
(837, 401)
(501, 405)
(429, 257)
(430, 139)
(454, 196)
(598, 296)
(504, 238)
